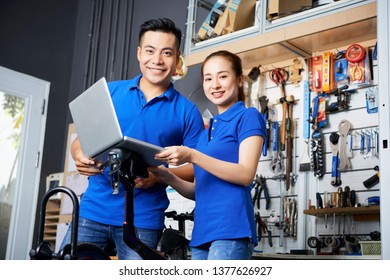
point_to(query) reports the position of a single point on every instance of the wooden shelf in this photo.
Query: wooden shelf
(51, 224)
(53, 211)
(51, 231)
(53, 208)
(341, 28)
(49, 238)
(366, 212)
(52, 217)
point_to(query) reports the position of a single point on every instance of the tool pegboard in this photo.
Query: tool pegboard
(347, 125)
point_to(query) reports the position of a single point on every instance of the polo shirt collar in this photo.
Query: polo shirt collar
(233, 111)
(169, 93)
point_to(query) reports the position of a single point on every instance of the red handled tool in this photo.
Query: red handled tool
(279, 76)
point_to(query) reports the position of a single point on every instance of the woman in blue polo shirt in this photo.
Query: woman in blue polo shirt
(225, 162)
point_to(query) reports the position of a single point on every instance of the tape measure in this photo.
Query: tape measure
(355, 53)
(373, 200)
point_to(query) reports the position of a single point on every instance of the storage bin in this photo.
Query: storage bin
(370, 247)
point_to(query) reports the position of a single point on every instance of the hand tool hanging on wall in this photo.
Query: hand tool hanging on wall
(319, 119)
(373, 180)
(376, 141)
(362, 142)
(349, 149)
(277, 165)
(368, 135)
(320, 204)
(279, 76)
(339, 197)
(263, 101)
(295, 71)
(254, 73)
(279, 178)
(326, 205)
(341, 74)
(289, 136)
(260, 186)
(317, 158)
(334, 146)
(294, 174)
(347, 197)
(262, 228)
(289, 217)
(343, 95)
(294, 218)
(355, 55)
(353, 198)
(372, 100)
(304, 163)
(344, 129)
(327, 71)
(316, 70)
(326, 199)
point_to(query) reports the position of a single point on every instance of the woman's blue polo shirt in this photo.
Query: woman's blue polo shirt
(224, 210)
(169, 119)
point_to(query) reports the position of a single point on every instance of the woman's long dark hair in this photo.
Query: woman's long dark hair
(236, 63)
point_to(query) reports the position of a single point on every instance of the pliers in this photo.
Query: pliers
(262, 228)
(260, 186)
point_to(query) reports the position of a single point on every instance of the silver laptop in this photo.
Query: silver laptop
(98, 128)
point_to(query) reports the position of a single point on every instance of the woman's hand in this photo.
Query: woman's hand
(166, 176)
(175, 155)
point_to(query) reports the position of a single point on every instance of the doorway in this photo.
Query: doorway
(23, 100)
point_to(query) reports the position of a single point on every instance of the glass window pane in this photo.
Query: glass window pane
(11, 120)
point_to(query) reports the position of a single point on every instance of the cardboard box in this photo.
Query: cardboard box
(238, 15)
(227, 16)
(278, 8)
(209, 23)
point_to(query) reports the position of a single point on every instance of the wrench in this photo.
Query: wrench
(344, 128)
(334, 139)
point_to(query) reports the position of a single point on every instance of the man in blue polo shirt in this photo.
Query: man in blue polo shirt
(149, 109)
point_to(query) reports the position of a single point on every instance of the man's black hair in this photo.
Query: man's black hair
(162, 24)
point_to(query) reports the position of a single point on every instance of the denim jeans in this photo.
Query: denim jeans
(102, 235)
(234, 249)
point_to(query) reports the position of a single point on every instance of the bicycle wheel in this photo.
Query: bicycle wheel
(89, 251)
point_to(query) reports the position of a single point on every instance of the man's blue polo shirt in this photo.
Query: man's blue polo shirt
(224, 210)
(169, 119)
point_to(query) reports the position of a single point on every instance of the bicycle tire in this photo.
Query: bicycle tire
(89, 251)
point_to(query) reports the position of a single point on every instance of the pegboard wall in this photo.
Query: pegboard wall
(284, 217)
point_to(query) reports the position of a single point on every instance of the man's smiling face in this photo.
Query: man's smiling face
(158, 56)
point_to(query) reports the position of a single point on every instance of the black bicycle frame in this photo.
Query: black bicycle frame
(125, 167)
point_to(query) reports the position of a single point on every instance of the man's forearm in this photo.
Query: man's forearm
(75, 148)
(185, 172)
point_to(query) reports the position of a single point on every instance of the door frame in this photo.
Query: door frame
(36, 94)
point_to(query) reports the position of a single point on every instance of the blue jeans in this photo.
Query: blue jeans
(102, 235)
(234, 249)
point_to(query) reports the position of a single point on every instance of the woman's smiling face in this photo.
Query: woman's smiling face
(220, 83)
